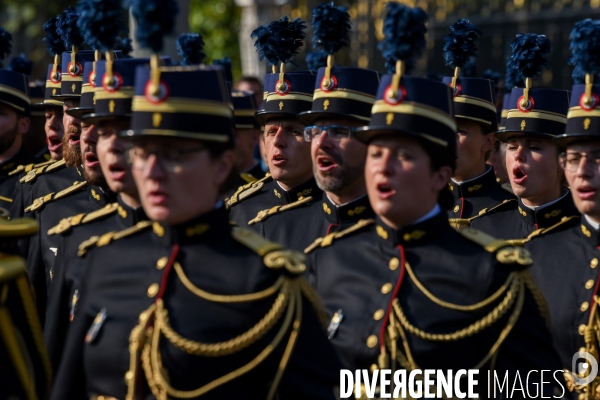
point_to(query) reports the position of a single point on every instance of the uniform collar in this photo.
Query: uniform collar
(308, 188)
(347, 213)
(208, 225)
(21, 158)
(416, 234)
(590, 234)
(475, 186)
(548, 214)
(128, 215)
(100, 197)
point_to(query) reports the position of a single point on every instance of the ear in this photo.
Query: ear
(23, 125)
(223, 166)
(488, 143)
(256, 135)
(441, 177)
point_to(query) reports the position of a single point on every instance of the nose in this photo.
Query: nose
(519, 154)
(89, 135)
(323, 140)
(585, 169)
(153, 169)
(279, 138)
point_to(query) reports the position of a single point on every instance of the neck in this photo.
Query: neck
(289, 184)
(12, 150)
(407, 217)
(543, 198)
(130, 200)
(350, 193)
(593, 218)
(472, 174)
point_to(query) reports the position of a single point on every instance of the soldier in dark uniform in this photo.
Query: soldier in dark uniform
(337, 159)
(405, 290)
(25, 371)
(288, 156)
(566, 254)
(536, 116)
(473, 185)
(247, 136)
(190, 272)
(111, 115)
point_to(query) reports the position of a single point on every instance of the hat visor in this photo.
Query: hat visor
(66, 96)
(94, 119)
(203, 137)
(570, 138)
(504, 135)
(310, 117)
(367, 133)
(78, 112)
(262, 117)
(48, 103)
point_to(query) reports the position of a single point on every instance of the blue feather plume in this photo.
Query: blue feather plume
(585, 49)
(470, 68)
(100, 23)
(21, 64)
(512, 78)
(279, 41)
(316, 59)
(155, 19)
(66, 27)
(225, 62)
(404, 30)
(461, 43)
(5, 43)
(529, 54)
(492, 75)
(124, 44)
(53, 41)
(331, 27)
(190, 46)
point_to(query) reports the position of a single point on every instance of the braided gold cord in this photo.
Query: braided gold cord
(314, 299)
(493, 316)
(217, 298)
(230, 346)
(155, 372)
(538, 296)
(136, 341)
(458, 307)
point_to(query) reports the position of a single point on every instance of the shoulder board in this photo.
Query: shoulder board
(29, 167)
(247, 190)
(542, 231)
(461, 223)
(34, 173)
(327, 240)
(11, 266)
(248, 177)
(506, 186)
(105, 239)
(67, 223)
(506, 252)
(50, 197)
(274, 255)
(264, 214)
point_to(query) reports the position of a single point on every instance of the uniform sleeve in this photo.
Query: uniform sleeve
(37, 274)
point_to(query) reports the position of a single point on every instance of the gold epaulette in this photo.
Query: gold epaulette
(11, 266)
(460, 223)
(248, 177)
(264, 214)
(66, 224)
(29, 167)
(247, 190)
(50, 197)
(274, 255)
(506, 186)
(506, 252)
(108, 237)
(541, 231)
(34, 173)
(327, 240)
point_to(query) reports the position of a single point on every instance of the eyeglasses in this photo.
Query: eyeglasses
(571, 161)
(334, 132)
(170, 159)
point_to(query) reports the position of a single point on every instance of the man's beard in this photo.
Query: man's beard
(71, 154)
(94, 178)
(7, 139)
(342, 178)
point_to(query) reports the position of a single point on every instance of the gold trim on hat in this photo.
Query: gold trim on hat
(244, 113)
(102, 94)
(578, 112)
(414, 108)
(50, 84)
(547, 115)
(482, 121)
(177, 105)
(504, 113)
(87, 88)
(69, 78)
(475, 101)
(433, 139)
(213, 137)
(343, 94)
(53, 102)
(244, 126)
(289, 96)
(16, 93)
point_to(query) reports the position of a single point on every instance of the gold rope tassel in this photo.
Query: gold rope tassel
(591, 344)
(73, 68)
(54, 75)
(327, 83)
(525, 101)
(109, 79)
(589, 82)
(397, 77)
(281, 85)
(455, 77)
(137, 339)
(155, 74)
(97, 57)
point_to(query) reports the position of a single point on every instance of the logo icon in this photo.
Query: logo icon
(582, 363)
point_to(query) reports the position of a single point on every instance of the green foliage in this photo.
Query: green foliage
(218, 23)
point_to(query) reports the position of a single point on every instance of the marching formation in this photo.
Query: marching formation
(400, 223)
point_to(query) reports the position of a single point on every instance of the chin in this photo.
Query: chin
(114, 186)
(158, 213)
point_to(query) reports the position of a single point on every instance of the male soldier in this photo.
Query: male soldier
(25, 368)
(337, 160)
(247, 136)
(535, 117)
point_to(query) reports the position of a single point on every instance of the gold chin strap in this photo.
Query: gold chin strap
(589, 81)
(155, 74)
(525, 101)
(54, 75)
(109, 80)
(73, 68)
(455, 77)
(327, 82)
(396, 78)
(281, 85)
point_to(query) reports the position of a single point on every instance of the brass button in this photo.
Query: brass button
(162, 262)
(385, 289)
(128, 377)
(589, 284)
(456, 208)
(372, 341)
(153, 290)
(394, 264)
(584, 306)
(377, 315)
(581, 329)
(594, 262)
(374, 367)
